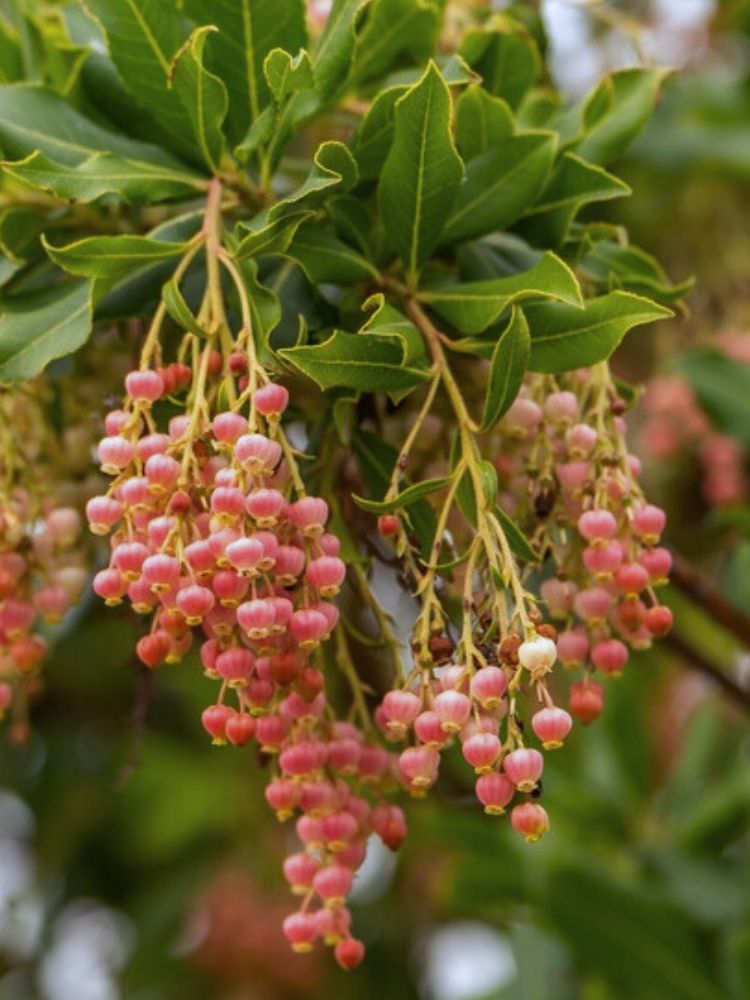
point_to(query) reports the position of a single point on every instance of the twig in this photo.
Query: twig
(693, 583)
(696, 660)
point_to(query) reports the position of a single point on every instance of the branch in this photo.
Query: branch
(696, 660)
(693, 583)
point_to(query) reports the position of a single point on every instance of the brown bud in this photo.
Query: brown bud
(548, 631)
(508, 650)
(441, 648)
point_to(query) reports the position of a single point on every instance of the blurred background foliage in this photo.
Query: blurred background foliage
(135, 861)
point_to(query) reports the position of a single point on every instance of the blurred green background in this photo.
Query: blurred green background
(136, 861)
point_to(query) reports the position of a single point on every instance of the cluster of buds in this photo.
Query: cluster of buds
(41, 573)
(334, 780)
(211, 534)
(476, 706)
(572, 481)
(565, 475)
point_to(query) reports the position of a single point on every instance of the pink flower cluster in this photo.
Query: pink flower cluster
(328, 774)
(40, 579)
(469, 706)
(205, 536)
(572, 471)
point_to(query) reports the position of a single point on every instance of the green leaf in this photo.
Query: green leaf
(41, 326)
(519, 543)
(333, 54)
(387, 321)
(616, 111)
(573, 184)
(11, 57)
(372, 141)
(334, 168)
(287, 74)
(564, 338)
(376, 459)
(482, 121)
(500, 184)
(390, 28)
(33, 118)
(633, 269)
(20, 228)
(465, 496)
(476, 305)
(422, 174)
(509, 363)
(366, 362)
(354, 221)
(488, 478)
(265, 308)
(111, 256)
(404, 499)
(178, 308)
(131, 180)
(259, 133)
(143, 37)
(203, 95)
(267, 237)
(325, 258)
(630, 937)
(453, 70)
(248, 31)
(506, 58)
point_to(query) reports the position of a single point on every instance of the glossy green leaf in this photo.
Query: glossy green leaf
(332, 57)
(633, 269)
(564, 338)
(519, 543)
(482, 121)
(111, 256)
(474, 306)
(265, 307)
(33, 118)
(509, 363)
(41, 326)
(366, 362)
(422, 174)
(488, 478)
(259, 133)
(263, 236)
(616, 111)
(372, 141)
(20, 228)
(11, 57)
(325, 258)
(376, 459)
(203, 95)
(287, 74)
(574, 183)
(506, 58)
(334, 168)
(178, 308)
(131, 180)
(390, 28)
(388, 321)
(500, 184)
(143, 37)
(404, 499)
(248, 31)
